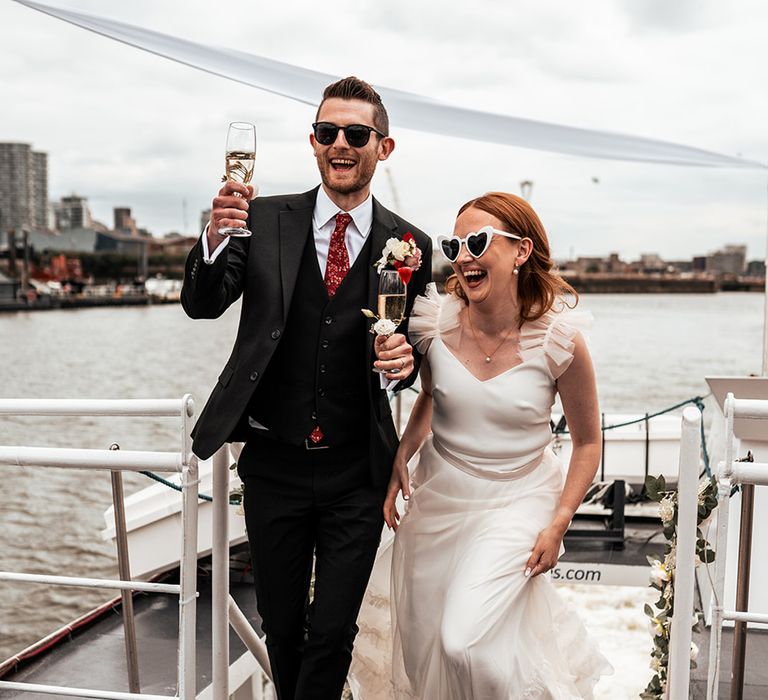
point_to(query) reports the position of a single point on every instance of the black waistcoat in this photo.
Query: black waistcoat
(319, 372)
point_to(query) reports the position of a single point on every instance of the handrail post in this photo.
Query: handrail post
(124, 571)
(648, 447)
(188, 570)
(602, 447)
(724, 483)
(742, 590)
(220, 576)
(685, 567)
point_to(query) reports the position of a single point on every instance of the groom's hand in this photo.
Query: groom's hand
(395, 356)
(228, 209)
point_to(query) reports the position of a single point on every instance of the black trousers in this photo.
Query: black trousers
(299, 503)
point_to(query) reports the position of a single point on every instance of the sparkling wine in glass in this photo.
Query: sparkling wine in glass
(240, 161)
(391, 301)
(391, 304)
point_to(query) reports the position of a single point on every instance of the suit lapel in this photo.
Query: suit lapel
(295, 224)
(384, 226)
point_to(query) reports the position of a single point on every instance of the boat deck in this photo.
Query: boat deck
(97, 653)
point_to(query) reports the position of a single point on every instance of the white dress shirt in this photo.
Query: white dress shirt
(323, 224)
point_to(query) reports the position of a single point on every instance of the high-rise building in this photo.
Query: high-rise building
(23, 187)
(72, 212)
(124, 222)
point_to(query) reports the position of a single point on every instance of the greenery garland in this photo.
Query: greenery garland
(662, 575)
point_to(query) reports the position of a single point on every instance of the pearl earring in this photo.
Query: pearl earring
(515, 271)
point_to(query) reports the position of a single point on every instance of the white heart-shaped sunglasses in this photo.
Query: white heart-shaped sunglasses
(477, 242)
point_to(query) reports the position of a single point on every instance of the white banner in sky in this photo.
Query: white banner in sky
(407, 110)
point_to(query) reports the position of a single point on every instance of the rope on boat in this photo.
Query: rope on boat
(176, 487)
(697, 401)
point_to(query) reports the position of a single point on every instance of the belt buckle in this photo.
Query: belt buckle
(309, 445)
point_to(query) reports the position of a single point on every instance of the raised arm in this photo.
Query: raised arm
(214, 280)
(578, 393)
(419, 426)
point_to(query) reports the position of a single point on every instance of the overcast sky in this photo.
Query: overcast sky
(126, 128)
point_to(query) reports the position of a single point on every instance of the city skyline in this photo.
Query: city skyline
(645, 68)
(73, 212)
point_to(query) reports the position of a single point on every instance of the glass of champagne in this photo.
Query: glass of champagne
(240, 161)
(391, 301)
(391, 304)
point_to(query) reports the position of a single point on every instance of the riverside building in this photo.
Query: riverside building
(23, 188)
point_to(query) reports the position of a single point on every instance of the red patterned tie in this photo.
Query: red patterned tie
(335, 271)
(338, 257)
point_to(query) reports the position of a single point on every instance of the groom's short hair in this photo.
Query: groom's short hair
(352, 88)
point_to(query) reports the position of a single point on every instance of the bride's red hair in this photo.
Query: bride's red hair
(538, 286)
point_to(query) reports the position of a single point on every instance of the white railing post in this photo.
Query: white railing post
(685, 559)
(220, 577)
(248, 636)
(187, 677)
(724, 483)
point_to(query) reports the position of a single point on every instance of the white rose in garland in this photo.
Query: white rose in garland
(662, 575)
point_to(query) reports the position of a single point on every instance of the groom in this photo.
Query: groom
(299, 389)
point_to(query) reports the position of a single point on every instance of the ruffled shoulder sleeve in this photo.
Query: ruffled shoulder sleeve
(552, 336)
(432, 315)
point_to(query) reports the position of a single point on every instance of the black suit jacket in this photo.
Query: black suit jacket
(263, 269)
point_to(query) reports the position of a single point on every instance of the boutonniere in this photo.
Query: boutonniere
(402, 254)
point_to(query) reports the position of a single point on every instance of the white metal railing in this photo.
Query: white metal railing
(678, 680)
(116, 460)
(730, 473)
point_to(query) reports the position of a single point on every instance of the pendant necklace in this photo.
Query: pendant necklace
(488, 355)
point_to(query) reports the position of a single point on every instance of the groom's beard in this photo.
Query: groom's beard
(361, 173)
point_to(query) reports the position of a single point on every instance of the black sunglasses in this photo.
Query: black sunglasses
(357, 135)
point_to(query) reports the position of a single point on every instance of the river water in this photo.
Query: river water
(650, 351)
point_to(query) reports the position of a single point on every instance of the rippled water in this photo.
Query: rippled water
(650, 352)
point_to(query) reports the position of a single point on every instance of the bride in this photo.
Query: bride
(488, 502)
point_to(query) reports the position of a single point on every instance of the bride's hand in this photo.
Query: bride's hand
(397, 482)
(545, 551)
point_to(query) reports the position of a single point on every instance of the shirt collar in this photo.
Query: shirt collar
(325, 210)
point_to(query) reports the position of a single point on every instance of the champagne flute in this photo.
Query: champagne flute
(391, 301)
(240, 161)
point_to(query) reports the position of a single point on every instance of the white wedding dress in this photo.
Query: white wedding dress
(457, 619)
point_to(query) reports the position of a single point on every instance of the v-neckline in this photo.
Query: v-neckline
(472, 374)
